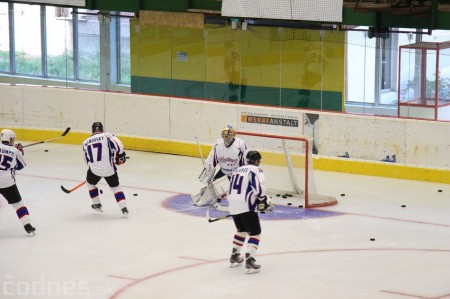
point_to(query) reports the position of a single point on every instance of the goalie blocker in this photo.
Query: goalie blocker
(211, 192)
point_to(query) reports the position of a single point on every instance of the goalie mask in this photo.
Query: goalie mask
(97, 126)
(228, 134)
(8, 136)
(253, 156)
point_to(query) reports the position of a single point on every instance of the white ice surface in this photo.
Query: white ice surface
(158, 253)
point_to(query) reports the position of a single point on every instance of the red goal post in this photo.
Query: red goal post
(288, 168)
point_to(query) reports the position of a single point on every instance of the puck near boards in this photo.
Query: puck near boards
(289, 203)
(300, 206)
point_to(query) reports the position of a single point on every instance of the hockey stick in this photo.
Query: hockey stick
(74, 188)
(49, 140)
(216, 219)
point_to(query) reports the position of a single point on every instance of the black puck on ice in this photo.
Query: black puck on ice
(372, 239)
(403, 206)
(300, 206)
(289, 204)
(342, 194)
(45, 150)
(135, 194)
(101, 191)
(278, 195)
(289, 195)
(439, 190)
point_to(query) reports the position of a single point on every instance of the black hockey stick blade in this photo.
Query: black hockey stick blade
(64, 189)
(49, 140)
(74, 188)
(66, 131)
(216, 219)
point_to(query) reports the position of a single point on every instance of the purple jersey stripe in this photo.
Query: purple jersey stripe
(22, 211)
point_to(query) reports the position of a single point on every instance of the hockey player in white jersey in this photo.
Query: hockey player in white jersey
(11, 159)
(102, 152)
(229, 153)
(246, 197)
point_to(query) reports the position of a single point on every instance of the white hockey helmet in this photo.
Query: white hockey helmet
(228, 134)
(8, 136)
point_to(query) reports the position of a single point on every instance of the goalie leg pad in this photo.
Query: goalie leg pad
(210, 193)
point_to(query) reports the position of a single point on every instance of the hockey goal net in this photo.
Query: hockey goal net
(288, 168)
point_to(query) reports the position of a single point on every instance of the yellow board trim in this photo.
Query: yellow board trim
(372, 168)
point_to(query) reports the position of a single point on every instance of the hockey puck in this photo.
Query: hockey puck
(403, 206)
(135, 194)
(290, 195)
(278, 195)
(342, 194)
(101, 191)
(372, 239)
(289, 203)
(45, 150)
(300, 206)
(439, 190)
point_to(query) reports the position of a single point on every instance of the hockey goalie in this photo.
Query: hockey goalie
(228, 153)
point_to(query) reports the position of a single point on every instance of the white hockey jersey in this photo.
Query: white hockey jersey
(99, 153)
(229, 158)
(11, 159)
(246, 185)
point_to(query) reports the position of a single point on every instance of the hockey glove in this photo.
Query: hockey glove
(206, 174)
(264, 205)
(121, 158)
(20, 148)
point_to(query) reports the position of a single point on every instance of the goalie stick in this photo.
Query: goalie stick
(49, 140)
(74, 188)
(216, 219)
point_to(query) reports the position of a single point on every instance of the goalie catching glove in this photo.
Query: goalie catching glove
(206, 174)
(265, 204)
(121, 158)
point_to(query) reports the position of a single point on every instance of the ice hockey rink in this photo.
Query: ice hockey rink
(164, 252)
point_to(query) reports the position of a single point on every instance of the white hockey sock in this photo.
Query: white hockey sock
(120, 197)
(93, 193)
(252, 245)
(238, 240)
(22, 212)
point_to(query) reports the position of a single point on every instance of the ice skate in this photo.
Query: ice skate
(31, 231)
(125, 212)
(236, 260)
(97, 207)
(250, 265)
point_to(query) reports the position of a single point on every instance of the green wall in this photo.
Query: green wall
(292, 67)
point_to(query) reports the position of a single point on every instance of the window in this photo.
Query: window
(124, 71)
(4, 38)
(88, 45)
(59, 37)
(27, 37)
